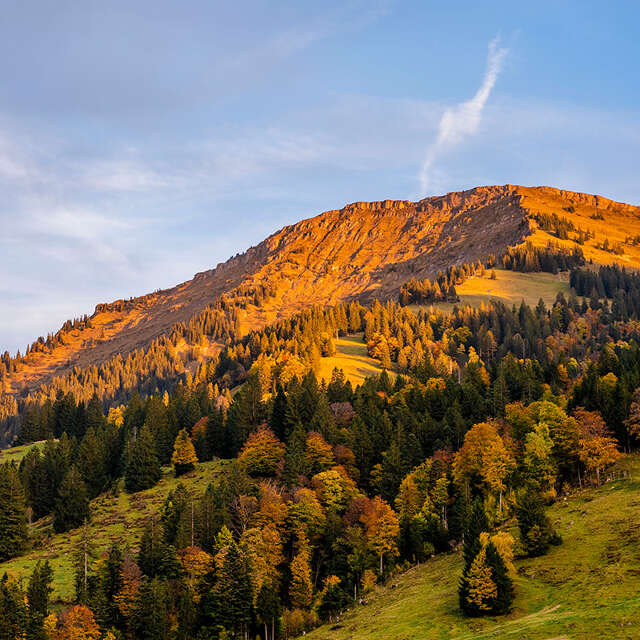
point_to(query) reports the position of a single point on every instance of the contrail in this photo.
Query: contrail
(464, 119)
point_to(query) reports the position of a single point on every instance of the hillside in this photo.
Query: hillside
(361, 251)
(115, 519)
(586, 587)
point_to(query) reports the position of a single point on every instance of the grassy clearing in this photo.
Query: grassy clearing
(588, 587)
(352, 357)
(115, 518)
(15, 454)
(510, 287)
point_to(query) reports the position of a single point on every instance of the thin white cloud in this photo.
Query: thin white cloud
(463, 120)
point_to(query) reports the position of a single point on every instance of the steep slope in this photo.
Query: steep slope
(361, 251)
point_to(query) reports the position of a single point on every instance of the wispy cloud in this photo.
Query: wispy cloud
(463, 120)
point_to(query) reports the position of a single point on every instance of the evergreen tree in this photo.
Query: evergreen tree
(72, 506)
(268, 610)
(143, 468)
(38, 592)
(156, 558)
(234, 589)
(536, 531)
(13, 516)
(332, 601)
(151, 614)
(13, 610)
(502, 580)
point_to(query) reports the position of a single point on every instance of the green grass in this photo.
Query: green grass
(15, 454)
(115, 518)
(589, 587)
(352, 357)
(510, 287)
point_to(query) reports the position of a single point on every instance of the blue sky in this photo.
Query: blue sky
(142, 142)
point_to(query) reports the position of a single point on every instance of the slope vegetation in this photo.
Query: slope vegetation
(364, 250)
(587, 587)
(116, 518)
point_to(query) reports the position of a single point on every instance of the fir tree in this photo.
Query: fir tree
(536, 531)
(13, 516)
(151, 615)
(72, 506)
(268, 610)
(234, 589)
(500, 576)
(143, 469)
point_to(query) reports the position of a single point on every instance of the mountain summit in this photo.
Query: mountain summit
(362, 251)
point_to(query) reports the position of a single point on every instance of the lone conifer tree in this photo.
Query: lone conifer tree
(143, 469)
(72, 506)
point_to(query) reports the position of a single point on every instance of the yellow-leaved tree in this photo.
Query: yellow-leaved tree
(184, 456)
(383, 529)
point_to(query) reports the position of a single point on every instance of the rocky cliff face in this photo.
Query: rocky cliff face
(364, 250)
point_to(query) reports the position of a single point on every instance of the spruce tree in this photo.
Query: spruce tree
(234, 589)
(268, 610)
(536, 530)
(475, 570)
(143, 469)
(151, 614)
(502, 580)
(72, 505)
(38, 592)
(13, 515)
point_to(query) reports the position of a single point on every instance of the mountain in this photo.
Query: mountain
(362, 251)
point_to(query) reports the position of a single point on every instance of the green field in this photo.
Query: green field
(352, 357)
(589, 587)
(115, 518)
(15, 454)
(510, 287)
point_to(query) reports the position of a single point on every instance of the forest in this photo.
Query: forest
(481, 417)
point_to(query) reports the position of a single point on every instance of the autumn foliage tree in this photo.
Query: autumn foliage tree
(184, 456)
(382, 528)
(78, 623)
(262, 452)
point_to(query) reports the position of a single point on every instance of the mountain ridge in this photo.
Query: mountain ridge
(362, 251)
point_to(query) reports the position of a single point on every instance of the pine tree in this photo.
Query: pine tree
(143, 469)
(72, 506)
(156, 558)
(13, 516)
(477, 524)
(184, 456)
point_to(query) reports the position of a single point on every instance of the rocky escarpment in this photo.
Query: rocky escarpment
(364, 250)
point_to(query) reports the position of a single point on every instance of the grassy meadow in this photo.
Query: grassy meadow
(510, 287)
(589, 587)
(352, 357)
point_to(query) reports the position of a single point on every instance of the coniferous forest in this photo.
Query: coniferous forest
(480, 419)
